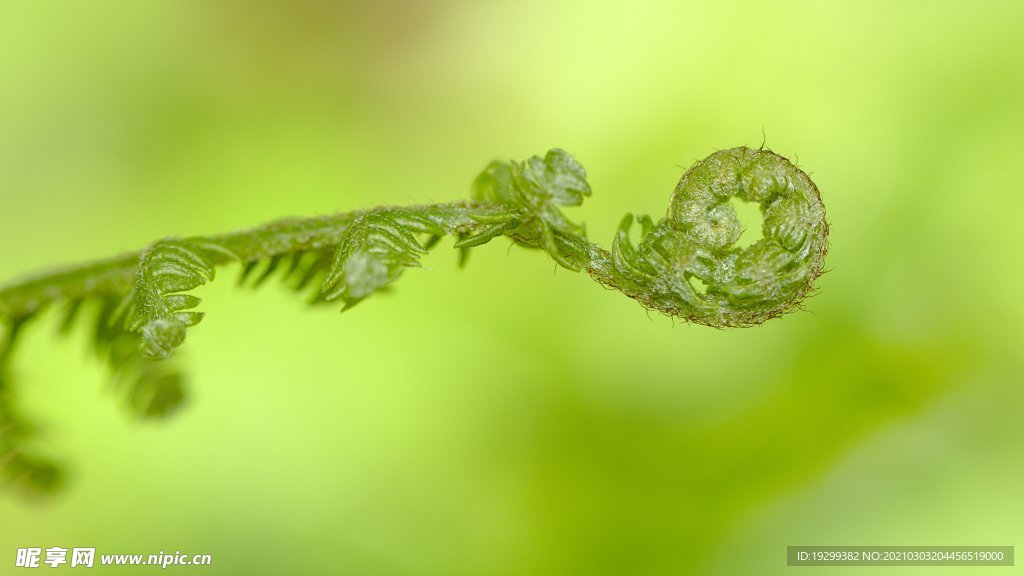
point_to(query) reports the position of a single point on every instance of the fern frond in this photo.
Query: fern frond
(373, 253)
(162, 307)
(537, 189)
(144, 305)
(21, 467)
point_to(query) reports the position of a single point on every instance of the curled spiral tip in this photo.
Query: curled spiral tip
(688, 264)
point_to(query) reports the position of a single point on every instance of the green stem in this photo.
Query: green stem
(285, 237)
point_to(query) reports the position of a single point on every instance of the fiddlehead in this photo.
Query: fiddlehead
(143, 305)
(697, 240)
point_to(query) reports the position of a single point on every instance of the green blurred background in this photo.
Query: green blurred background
(511, 419)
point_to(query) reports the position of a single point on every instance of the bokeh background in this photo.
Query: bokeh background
(509, 418)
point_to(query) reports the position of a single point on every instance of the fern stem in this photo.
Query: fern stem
(285, 237)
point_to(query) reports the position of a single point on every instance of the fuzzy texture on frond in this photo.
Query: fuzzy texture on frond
(686, 265)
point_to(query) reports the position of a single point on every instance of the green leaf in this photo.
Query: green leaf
(168, 269)
(373, 253)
